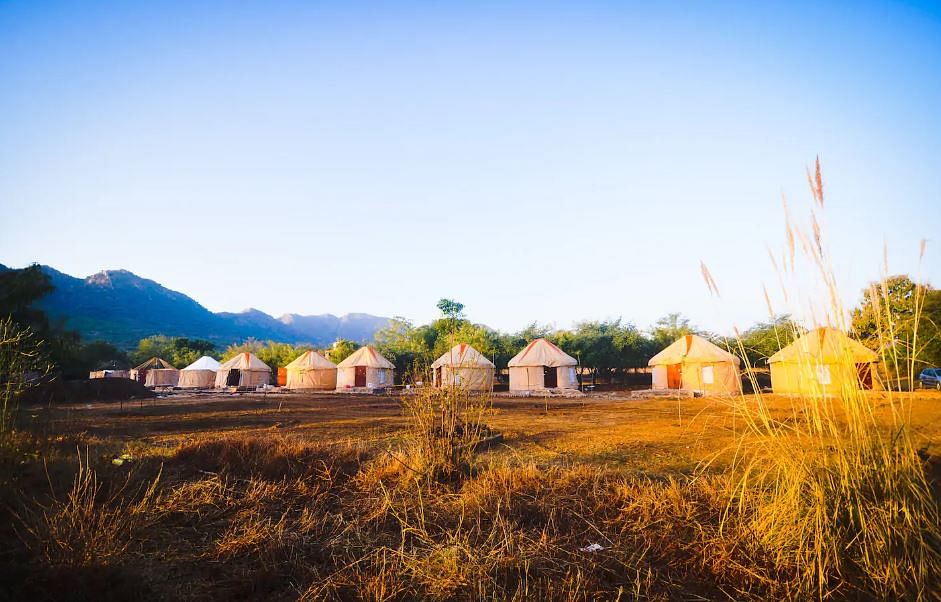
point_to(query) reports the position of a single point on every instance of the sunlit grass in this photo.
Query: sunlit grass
(839, 498)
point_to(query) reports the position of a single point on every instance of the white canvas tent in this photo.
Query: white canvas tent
(201, 374)
(311, 371)
(366, 368)
(465, 367)
(824, 361)
(542, 365)
(243, 370)
(155, 372)
(692, 363)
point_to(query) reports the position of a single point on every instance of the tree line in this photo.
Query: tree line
(896, 317)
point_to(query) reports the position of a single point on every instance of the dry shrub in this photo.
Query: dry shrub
(250, 532)
(517, 532)
(337, 524)
(272, 457)
(445, 428)
(92, 525)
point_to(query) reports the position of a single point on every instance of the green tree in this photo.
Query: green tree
(23, 363)
(898, 318)
(20, 293)
(930, 333)
(179, 351)
(764, 339)
(341, 349)
(20, 290)
(405, 346)
(274, 354)
(605, 346)
(96, 355)
(184, 351)
(452, 311)
(669, 328)
(154, 346)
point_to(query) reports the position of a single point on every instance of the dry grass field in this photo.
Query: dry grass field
(313, 496)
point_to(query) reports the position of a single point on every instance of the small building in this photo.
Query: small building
(823, 361)
(201, 374)
(155, 372)
(365, 368)
(542, 365)
(311, 371)
(692, 363)
(463, 366)
(243, 370)
(109, 374)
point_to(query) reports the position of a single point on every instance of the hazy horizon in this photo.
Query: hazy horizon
(536, 162)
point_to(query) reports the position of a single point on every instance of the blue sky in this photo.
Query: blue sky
(536, 161)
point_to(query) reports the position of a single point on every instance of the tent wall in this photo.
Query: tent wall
(471, 378)
(253, 378)
(375, 377)
(660, 377)
(725, 377)
(531, 378)
(197, 379)
(325, 379)
(247, 378)
(162, 378)
(810, 378)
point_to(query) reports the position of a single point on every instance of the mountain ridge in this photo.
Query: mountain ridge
(121, 307)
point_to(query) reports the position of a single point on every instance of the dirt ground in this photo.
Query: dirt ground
(152, 499)
(655, 436)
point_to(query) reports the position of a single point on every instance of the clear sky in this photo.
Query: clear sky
(536, 161)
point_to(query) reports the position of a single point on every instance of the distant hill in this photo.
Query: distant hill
(120, 307)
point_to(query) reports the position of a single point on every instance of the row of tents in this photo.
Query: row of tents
(824, 361)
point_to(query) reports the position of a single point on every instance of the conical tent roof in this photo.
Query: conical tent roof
(156, 363)
(827, 345)
(244, 361)
(204, 363)
(366, 356)
(542, 353)
(311, 360)
(463, 355)
(692, 348)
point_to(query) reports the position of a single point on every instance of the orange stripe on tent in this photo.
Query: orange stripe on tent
(528, 347)
(689, 343)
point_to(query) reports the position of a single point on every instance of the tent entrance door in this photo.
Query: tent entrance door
(865, 375)
(674, 376)
(233, 378)
(438, 372)
(360, 380)
(550, 378)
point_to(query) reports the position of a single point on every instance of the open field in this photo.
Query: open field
(662, 436)
(293, 495)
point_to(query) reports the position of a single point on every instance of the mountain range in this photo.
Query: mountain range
(121, 307)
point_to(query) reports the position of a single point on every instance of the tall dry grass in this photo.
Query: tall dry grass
(93, 524)
(838, 498)
(446, 426)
